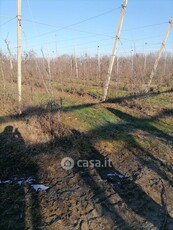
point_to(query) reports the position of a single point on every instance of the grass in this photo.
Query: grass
(159, 101)
(93, 117)
(127, 131)
(88, 115)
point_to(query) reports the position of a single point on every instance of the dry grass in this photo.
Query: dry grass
(134, 132)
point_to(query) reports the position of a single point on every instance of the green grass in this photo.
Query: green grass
(93, 117)
(164, 124)
(158, 101)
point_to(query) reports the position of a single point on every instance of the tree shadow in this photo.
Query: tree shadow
(164, 113)
(123, 131)
(69, 143)
(132, 195)
(137, 96)
(44, 109)
(142, 124)
(106, 208)
(16, 167)
(140, 204)
(35, 110)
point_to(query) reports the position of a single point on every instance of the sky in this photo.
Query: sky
(79, 26)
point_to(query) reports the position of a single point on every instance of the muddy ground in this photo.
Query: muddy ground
(134, 192)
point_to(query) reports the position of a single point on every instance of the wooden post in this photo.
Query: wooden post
(112, 59)
(48, 71)
(132, 62)
(145, 60)
(3, 78)
(117, 66)
(19, 54)
(76, 64)
(159, 55)
(98, 64)
(117, 73)
(164, 70)
(9, 51)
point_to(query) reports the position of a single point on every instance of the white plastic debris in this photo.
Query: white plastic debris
(114, 174)
(23, 181)
(39, 187)
(5, 182)
(30, 180)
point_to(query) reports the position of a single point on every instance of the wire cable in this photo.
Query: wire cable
(146, 26)
(71, 25)
(7, 21)
(76, 23)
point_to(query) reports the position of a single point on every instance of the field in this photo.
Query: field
(63, 115)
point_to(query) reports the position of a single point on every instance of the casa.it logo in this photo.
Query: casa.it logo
(67, 163)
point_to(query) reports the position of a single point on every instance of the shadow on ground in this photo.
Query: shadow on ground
(132, 208)
(16, 165)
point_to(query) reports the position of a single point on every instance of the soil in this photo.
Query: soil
(134, 192)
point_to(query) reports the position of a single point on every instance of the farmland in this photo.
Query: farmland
(86, 134)
(132, 129)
